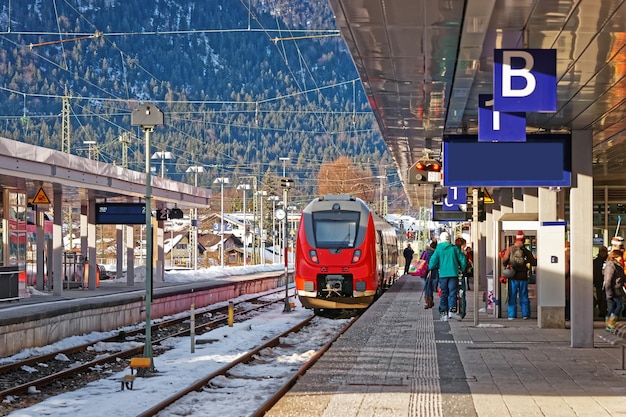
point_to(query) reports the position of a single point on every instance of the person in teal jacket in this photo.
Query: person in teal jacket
(450, 261)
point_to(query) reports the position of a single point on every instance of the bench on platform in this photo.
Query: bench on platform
(617, 338)
(138, 367)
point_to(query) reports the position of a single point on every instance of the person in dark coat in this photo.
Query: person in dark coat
(598, 281)
(408, 257)
(431, 278)
(614, 287)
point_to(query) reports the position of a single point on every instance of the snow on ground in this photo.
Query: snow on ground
(176, 367)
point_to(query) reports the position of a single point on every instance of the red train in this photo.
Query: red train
(345, 254)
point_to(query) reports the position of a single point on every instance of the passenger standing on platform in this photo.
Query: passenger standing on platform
(517, 256)
(613, 287)
(461, 244)
(469, 271)
(449, 260)
(598, 281)
(432, 276)
(408, 257)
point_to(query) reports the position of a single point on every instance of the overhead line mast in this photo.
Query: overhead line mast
(66, 130)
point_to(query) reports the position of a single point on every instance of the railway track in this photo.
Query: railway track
(262, 365)
(67, 369)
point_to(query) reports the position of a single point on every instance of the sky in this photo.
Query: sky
(178, 367)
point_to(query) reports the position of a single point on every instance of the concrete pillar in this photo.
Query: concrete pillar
(41, 249)
(517, 195)
(120, 246)
(57, 243)
(159, 270)
(581, 240)
(83, 230)
(531, 200)
(550, 285)
(504, 198)
(91, 243)
(130, 256)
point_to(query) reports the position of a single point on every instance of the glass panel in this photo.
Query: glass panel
(17, 229)
(335, 229)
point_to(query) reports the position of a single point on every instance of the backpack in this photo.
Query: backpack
(618, 277)
(517, 260)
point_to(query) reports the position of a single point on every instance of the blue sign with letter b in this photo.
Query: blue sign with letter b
(524, 80)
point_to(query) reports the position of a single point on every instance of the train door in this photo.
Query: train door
(380, 261)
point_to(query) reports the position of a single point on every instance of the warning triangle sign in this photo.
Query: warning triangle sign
(487, 198)
(41, 197)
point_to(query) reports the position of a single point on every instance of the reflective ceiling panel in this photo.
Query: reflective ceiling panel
(424, 62)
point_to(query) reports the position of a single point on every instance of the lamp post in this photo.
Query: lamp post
(90, 143)
(147, 116)
(284, 160)
(286, 183)
(245, 188)
(262, 231)
(292, 210)
(380, 201)
(162, 156)
(273, 199)
(222, 181)
(194, 220)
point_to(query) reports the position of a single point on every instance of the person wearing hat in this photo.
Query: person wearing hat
(449, 259)
(518, 257)
(617, 243)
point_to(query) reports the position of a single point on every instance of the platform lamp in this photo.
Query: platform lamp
(147, 116)
(222, 181)
(380, 200)
(194, 218)
(244, 187)
(262, 193)
(92, 146)
(286, 184)
(273, 199)
(284, 160)
(162, 156)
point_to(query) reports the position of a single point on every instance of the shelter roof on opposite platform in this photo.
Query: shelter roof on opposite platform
(28, 168)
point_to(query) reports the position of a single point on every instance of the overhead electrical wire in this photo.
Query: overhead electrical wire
(312, 34)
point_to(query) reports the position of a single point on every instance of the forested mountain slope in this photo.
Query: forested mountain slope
(241, 84)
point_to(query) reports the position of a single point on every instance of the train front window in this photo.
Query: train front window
(335, 229)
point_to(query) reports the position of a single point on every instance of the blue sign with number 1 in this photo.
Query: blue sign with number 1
(456, 196)
(495, 126)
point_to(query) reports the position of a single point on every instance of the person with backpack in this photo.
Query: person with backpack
(518, 257)
(614, 287)
(449, 260)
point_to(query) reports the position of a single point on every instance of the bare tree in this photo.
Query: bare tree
(343, 177)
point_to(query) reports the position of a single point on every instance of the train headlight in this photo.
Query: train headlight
(313, 256)
(356, 256)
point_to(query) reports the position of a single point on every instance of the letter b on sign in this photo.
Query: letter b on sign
(524, 80)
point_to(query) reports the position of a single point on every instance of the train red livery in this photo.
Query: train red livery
(346, 255)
